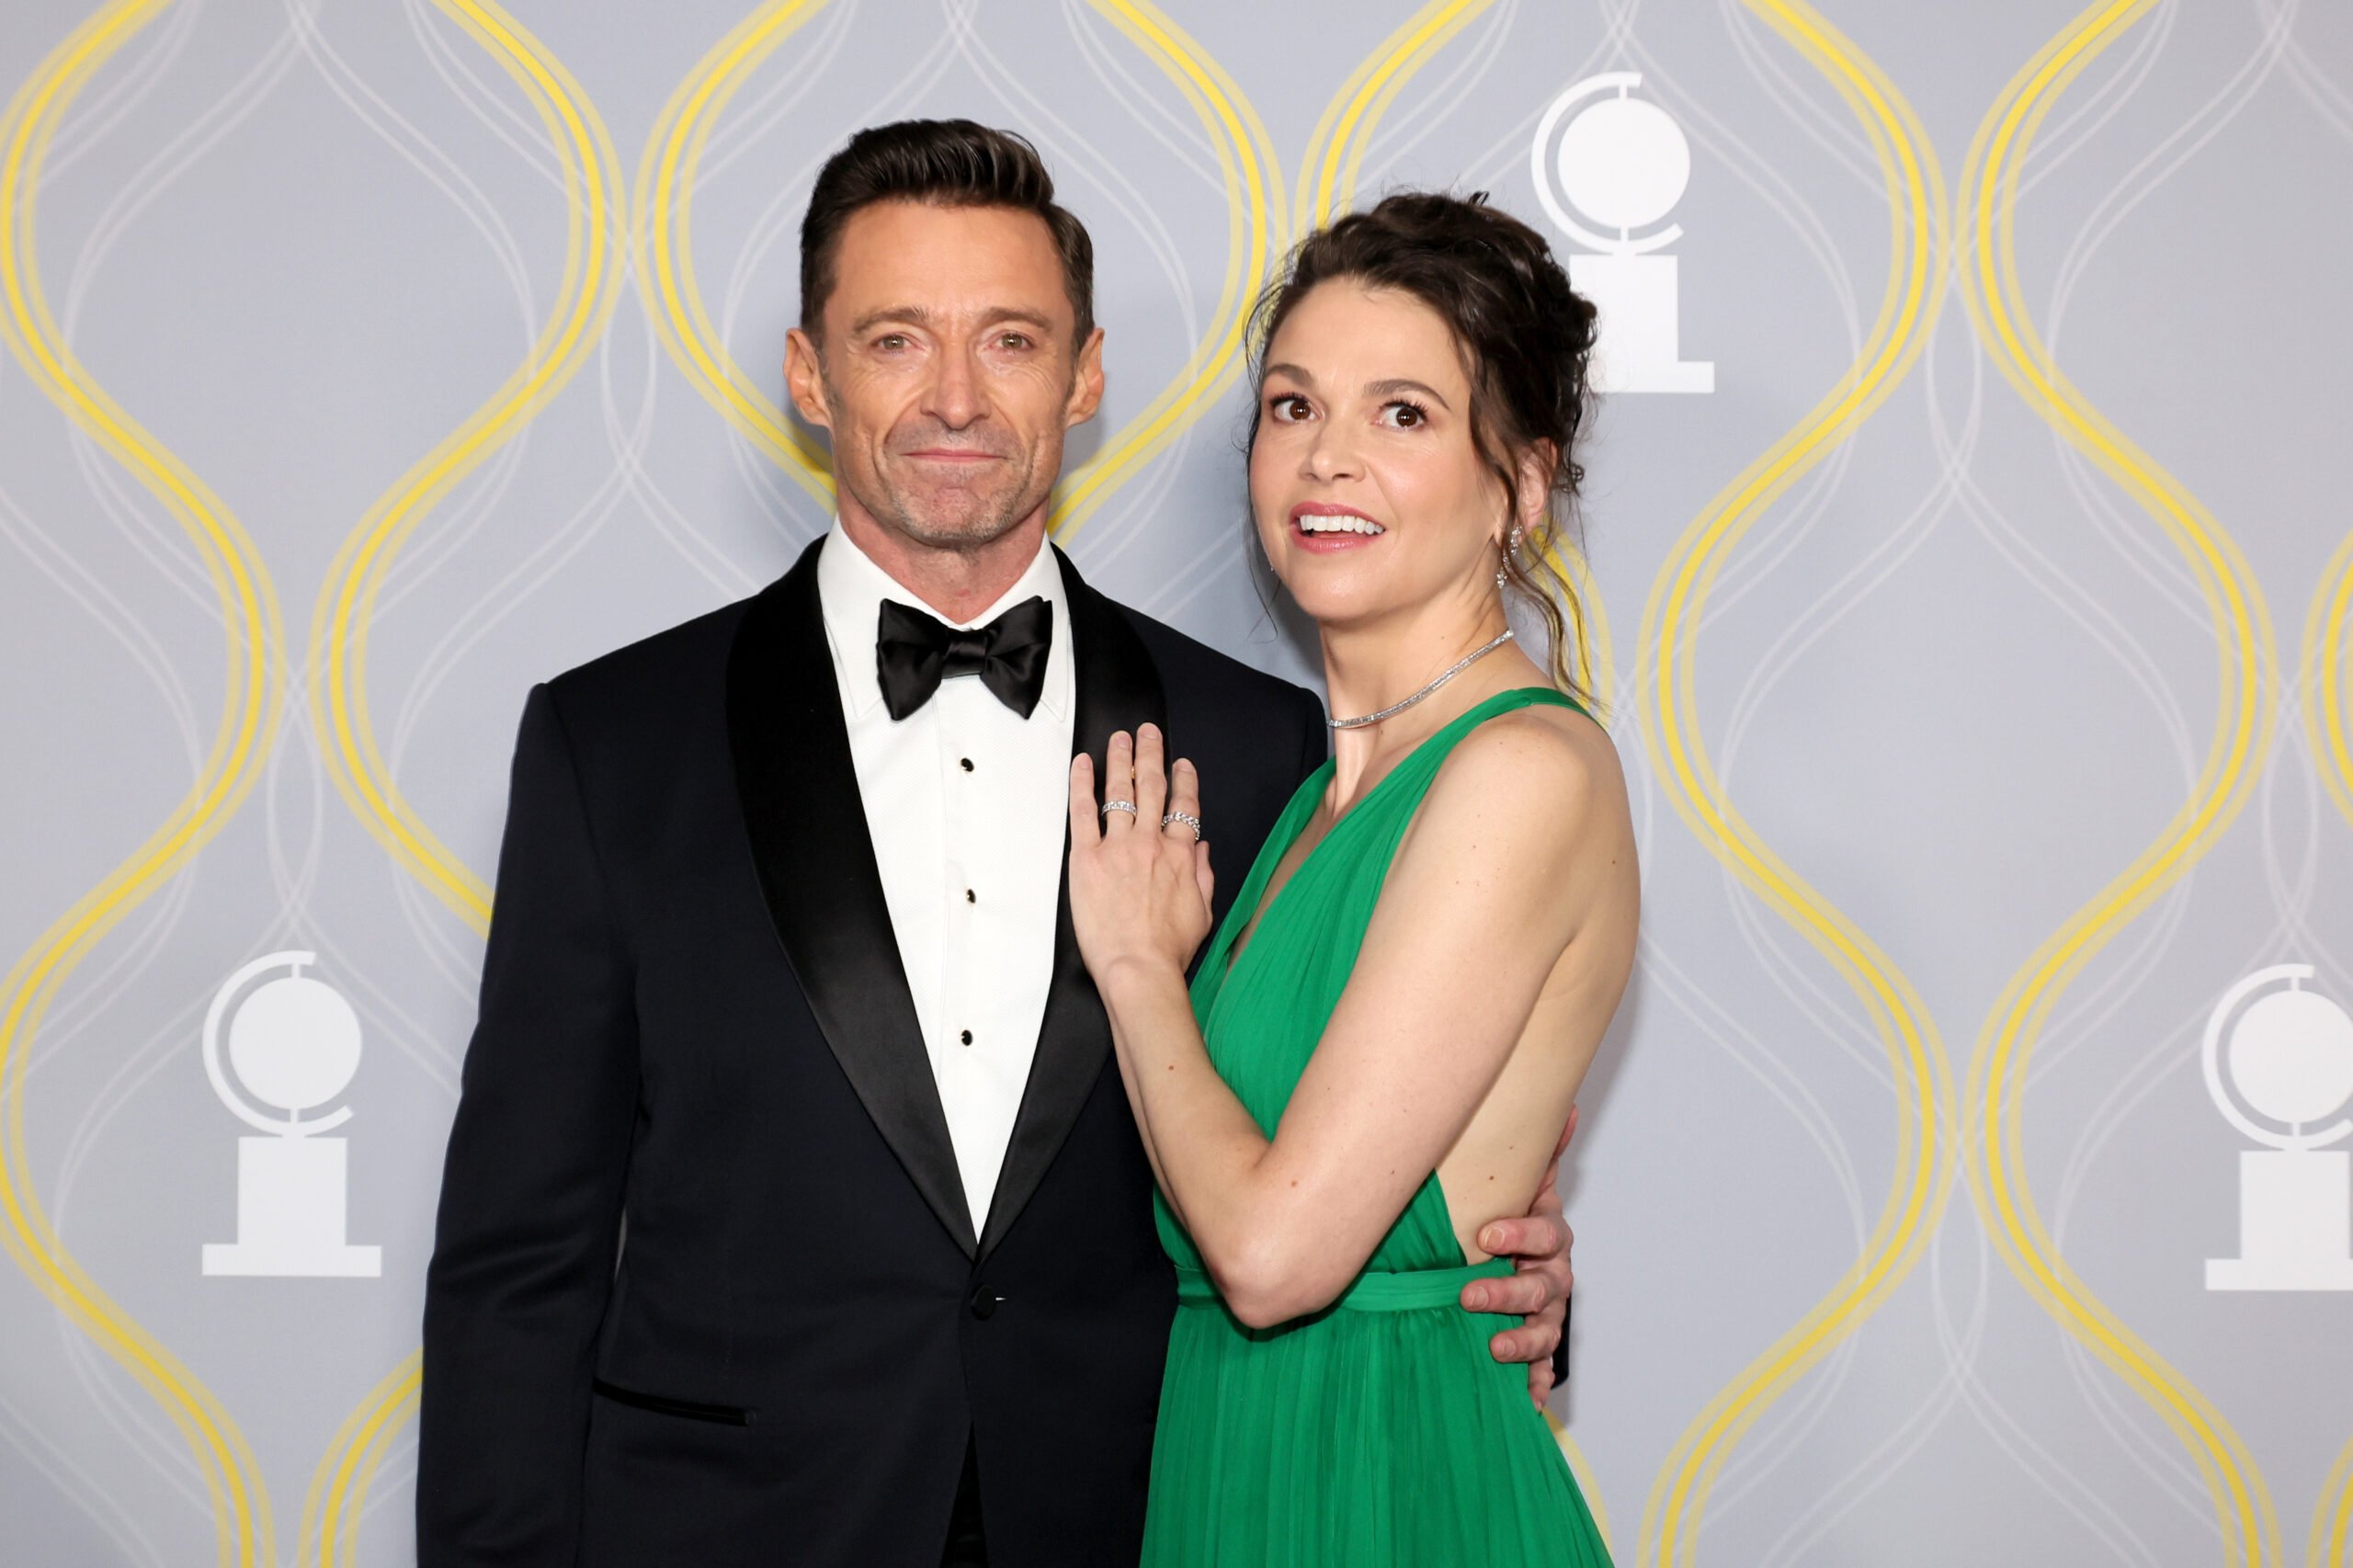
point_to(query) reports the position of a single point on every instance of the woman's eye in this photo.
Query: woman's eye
(1287, 407)
(1405, 416)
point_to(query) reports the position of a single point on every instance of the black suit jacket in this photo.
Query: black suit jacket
(704, 1290)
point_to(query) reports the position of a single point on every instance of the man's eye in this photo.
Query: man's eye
(891, 342)
(1014, 340)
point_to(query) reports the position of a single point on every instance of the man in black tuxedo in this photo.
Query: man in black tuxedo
(782, 976)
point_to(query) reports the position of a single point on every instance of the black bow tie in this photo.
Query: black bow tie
(914, 652)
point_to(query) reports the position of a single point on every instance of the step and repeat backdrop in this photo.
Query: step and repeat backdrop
(1969, 579)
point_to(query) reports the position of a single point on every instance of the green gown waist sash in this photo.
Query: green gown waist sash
(1403, 1291)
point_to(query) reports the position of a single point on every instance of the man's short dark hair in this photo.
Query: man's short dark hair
(942, 163)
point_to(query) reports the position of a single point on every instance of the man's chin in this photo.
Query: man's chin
(959, 529)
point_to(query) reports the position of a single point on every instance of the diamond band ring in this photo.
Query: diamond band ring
(1188, 819)
(1127, 806)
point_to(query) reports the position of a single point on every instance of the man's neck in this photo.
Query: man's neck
(957, 585)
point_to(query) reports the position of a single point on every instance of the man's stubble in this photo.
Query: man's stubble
(990, 519)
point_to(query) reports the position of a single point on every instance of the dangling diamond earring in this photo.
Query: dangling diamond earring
(1503, 578)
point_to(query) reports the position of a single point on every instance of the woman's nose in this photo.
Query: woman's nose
(1327, 458)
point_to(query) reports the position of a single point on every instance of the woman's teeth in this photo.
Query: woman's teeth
(1336, 523)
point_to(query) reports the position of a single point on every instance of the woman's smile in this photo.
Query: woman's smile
(1326, 526)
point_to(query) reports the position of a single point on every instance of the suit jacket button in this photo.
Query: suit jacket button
(985, 1303)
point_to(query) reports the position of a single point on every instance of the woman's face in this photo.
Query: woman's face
(1369, 494)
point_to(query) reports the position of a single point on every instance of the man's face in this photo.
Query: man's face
(947, 370)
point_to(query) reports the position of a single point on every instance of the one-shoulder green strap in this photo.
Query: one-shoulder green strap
(1419, 767)
(1501, 702)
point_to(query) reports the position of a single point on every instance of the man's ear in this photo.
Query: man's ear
(1086, 385)
(804, 379)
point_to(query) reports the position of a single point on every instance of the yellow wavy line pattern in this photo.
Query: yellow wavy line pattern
(243, 1531)
(339, 1486)
(1335, 149)
(2328, 647)
(1254, 236)
(1587, 620)
(2326, 1546)
(585, 294)
(2244, 655)
(2328, 712)
(1583, 1473)
(662, 235)
(584, 299)
(1916, 1053)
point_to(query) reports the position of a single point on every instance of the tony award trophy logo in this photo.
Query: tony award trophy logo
(294, 1044)
(2291, 1060)
(1624, 162)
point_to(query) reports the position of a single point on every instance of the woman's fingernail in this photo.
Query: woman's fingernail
(1493, 1241)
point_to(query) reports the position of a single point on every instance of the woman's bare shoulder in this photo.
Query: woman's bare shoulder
(1546, 766)
(1527, 813)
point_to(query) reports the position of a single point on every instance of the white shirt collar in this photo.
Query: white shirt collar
(851, 591)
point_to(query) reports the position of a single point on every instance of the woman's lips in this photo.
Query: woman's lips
(1342, 529)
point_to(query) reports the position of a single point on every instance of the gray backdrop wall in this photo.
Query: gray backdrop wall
(1977, 643)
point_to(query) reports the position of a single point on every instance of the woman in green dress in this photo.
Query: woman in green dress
(1382, 1039)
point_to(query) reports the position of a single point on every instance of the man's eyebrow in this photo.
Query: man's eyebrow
(917, 315)
(913, 315)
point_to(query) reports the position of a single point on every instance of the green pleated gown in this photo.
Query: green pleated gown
(1379, 1433)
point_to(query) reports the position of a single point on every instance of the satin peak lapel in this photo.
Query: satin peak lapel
(1118, 688)
(815, 860)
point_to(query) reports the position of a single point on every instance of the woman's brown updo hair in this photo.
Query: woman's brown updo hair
(1525, 337)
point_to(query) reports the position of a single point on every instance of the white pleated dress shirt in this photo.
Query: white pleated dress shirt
(966, 801)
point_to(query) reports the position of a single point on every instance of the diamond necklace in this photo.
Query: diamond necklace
(1453, 670)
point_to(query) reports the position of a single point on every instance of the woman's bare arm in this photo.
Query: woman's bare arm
(1510, 859)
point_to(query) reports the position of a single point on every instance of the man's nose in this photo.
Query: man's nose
(956, 397)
